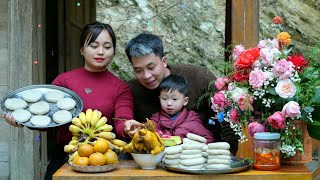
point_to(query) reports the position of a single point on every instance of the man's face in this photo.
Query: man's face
(149, 70)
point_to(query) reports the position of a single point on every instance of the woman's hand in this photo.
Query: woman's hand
(10, 120)
(132, 126)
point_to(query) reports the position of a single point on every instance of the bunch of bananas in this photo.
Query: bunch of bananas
(146, 141)
(90, 126)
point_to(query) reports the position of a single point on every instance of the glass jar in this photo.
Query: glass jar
(266, 151)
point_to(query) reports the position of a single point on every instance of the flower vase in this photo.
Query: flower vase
(301, 158)
(245, 146)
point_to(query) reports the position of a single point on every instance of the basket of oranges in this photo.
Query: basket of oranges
(97, 157)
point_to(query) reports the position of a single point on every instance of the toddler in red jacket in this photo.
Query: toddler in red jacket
(174, 119)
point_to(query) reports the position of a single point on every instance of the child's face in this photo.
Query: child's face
(172, 101)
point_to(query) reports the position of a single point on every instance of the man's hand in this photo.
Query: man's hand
(132, 126)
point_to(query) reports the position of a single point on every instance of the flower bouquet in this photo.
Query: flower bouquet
(269, 88)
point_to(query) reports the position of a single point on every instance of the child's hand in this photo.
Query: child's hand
(132, 126)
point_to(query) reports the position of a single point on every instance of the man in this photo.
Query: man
(150, 65)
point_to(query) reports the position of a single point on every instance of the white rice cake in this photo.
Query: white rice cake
(21, 115)
(39, 108)
(62, 116)
(15, 103)
(54, 96)
(31, 95)
(40, 120)
(66, 104)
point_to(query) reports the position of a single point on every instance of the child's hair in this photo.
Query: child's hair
(174, 82)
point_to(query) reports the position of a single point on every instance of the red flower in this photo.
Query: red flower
(242, 75)
(277, 20)
(247, 58)
(299, 61)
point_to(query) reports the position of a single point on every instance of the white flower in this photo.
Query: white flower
(236, 94)
(285, 88)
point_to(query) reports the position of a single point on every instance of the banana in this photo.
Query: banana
(74, 138)
(104, 128)
(77, 122)
(75, 129)
(69, 148)
(102, 121)
(95, 118)
(88, 117)
(73, 142)
(82, 117)
(72, 156)
(107, 135)
(119, 142)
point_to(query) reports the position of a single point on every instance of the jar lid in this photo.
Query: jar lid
(266, 135)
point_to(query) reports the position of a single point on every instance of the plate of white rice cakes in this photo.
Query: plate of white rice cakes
(42, 106)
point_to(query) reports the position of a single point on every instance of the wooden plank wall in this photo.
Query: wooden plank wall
(4, 130)
(24, 146)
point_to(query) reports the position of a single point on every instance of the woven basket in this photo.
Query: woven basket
(300, 158)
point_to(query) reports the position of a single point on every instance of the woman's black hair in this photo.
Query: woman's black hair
(91, 31)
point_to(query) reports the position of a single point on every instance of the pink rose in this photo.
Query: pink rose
(269, 55)
(234, 116)
(257, 78)
(283, 69)
(237, 50)
(285, 88)
(245, 102)
(277, 120)
(220, 100)
(268, 43)
(291, 109)
(221, 83)
(255, 127)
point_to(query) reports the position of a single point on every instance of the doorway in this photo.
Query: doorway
(64, 21)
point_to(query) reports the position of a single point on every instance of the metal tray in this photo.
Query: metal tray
(236, 165)
(45, 88)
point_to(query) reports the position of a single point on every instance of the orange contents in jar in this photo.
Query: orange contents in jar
(267, 161)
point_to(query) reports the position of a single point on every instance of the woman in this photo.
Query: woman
(97, 87)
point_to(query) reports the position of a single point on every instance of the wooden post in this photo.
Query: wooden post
(245, 22)
(245, 31)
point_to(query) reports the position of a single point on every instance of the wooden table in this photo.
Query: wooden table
(129, 170)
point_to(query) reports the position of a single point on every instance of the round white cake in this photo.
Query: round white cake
(66, 104)
(15, 103)
(54, 96)
(40, 120)
(31, 95)
(62, 116)
(39, 108)
(21, 115)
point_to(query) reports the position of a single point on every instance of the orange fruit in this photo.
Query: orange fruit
(101, 146)
(85, 150)
(97, 159)
(111, 156)
(81, 161)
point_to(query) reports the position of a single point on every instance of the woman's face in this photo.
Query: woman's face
(99, 53)
(150, 70)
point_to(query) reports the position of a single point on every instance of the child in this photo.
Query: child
(174, 119)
